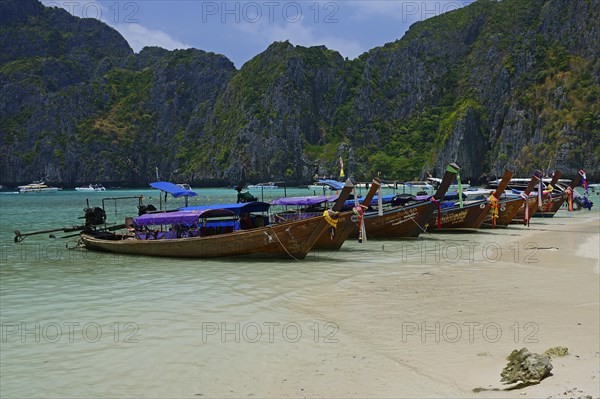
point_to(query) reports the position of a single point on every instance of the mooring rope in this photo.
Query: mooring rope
(283, 246)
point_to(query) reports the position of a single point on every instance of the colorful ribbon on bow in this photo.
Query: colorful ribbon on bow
(359, 211)
(460, 189)
(584, 177)
(569, 192)
(331, 220)
(526, 205)
(439, 211)
(495, 209)
(540, 193)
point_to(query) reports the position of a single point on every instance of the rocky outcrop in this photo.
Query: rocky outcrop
(526, 368)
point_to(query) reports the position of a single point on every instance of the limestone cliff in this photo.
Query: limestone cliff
(514, 83)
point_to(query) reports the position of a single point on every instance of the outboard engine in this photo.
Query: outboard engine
(143, 209)
(94, 216)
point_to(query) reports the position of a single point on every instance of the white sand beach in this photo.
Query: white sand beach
(422, 329)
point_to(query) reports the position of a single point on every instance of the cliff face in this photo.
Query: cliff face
(496, 84)
(78, 105)
(513, 84)
(276, 107)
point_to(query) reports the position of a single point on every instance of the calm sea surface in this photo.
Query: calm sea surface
(79, 324)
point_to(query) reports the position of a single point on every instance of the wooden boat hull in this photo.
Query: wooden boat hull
(288, 240)
(507, 212)
(469, 217)
(533, 206)
(550, 205)
(345, 227)
(398, 222)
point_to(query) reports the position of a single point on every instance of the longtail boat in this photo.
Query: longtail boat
(503, 210)
(524, 217)
(533, 201)
(215, 231)
(406, 221)
(555, 197)
(469, 216)
(340, 227)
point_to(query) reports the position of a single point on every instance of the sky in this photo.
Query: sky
(241, 29)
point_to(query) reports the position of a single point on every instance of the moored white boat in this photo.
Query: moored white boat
(265, 186)
(37, 187)
(90, 188)
(326, 185)
(436, 181)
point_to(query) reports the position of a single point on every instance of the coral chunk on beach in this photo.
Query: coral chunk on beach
(557, 351)
(525, 367)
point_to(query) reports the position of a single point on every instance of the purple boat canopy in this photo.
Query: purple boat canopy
(304, 201)
(178, 217)
(237, 209)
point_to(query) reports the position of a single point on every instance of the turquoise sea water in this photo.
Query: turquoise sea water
(80, 324)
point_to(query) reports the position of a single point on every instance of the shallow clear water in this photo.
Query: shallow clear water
(79, 324)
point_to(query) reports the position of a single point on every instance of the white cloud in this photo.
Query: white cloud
(138, 37)
(347, 48)
(406, 11)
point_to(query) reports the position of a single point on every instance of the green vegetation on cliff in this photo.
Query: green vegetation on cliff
(495, 84)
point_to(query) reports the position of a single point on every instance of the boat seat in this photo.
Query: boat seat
(220, 227)
(193, 233)
(169, 235)
(141, 236)
(447, 204)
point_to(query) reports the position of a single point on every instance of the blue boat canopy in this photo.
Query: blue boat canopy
(336, 185)
(453, 195)
(174, 189)
(234, 209)
(384, 199)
